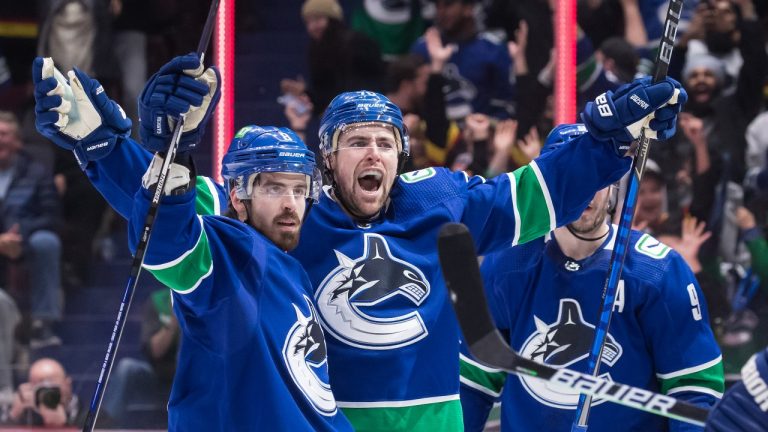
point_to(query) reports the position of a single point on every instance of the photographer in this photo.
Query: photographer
(46, 399)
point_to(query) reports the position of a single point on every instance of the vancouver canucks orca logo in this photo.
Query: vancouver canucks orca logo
(561, 344)
(348, 296)
(305, 356)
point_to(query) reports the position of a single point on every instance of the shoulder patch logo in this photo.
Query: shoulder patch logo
(348, 298)
(561, 344)
(418, 175)
(647, 245)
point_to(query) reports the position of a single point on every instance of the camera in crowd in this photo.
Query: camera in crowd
(48, 395)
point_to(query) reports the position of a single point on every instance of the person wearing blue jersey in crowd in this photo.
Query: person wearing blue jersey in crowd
(369, 244)
(253, 354)
(545, 298)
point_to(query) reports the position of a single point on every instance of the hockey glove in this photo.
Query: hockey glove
(178, 181)
(181, 87)
(621, 116)
(744, 408)
(76, 114)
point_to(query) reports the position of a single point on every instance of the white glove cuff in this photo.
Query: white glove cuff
(178, 176)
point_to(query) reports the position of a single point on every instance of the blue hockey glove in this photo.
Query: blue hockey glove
(180, 87)
(621, 116)
(76, 114)
(744, 407)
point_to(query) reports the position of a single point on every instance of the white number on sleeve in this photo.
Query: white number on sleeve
(696, 308)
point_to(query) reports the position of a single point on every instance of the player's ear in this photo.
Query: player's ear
(238, 205)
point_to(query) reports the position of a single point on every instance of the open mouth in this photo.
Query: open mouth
(370, 180)
(288, 223)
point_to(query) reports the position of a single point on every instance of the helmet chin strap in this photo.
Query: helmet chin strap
(573, 232)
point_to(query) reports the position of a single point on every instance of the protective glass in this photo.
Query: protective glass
(281, 190)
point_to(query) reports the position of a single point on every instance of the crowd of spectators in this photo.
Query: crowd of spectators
(474, 79)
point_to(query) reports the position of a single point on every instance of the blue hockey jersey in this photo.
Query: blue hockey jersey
(548, 304)
(253, 354)
(391, 334)
(479, 77)
(379, 290)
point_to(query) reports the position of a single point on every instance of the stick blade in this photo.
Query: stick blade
(458, 259)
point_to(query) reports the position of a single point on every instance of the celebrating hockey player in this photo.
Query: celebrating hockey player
(545, 297)
(369, 244)
(253, 355)
(744, 407)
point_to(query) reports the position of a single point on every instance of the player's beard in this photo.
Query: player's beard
(285, 240)
(350, 201)
(592, 223)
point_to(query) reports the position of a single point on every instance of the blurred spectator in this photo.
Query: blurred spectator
(618, 59)
(757, 153)
(82, 211)
(394, 25)
(484, 148)
(46, 399)
(752, 234)
(77, 33)
(726, 117)
(130, 51)
(532, 93)
(5, 73)
(340, 59)
(139, 387)
(298, 111)
(506, 16)
(688, 244)
(9, 317)
(417, 88)
(651, 212)
(479, 76)
(28, 217)
(718, 29)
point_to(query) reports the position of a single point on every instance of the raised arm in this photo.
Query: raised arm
(76, 114)
(577, 161)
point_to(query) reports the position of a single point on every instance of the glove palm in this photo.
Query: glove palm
(76, 113)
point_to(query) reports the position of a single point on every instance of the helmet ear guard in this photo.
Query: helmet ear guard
(613, 197)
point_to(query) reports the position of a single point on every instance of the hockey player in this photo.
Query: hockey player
(372, 259)
(744, 407)
(253, 355)
(545, 297)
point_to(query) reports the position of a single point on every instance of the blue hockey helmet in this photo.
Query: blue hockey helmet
(562, 134)
(257, 149)
(361, 107)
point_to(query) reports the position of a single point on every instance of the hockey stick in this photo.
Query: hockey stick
(458, 260)
(625, 223)
(138, 258)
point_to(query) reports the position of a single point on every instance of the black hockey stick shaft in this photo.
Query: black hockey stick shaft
(461, 271)
(138, 258)
(624, 230)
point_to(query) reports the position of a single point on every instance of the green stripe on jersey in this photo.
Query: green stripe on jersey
(492, 382)
(440, 416)
(711, 378)
(531, 203)
(207, 200)
(184, 274)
